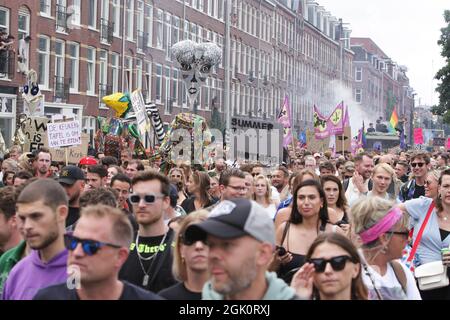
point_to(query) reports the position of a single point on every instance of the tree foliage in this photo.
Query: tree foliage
(443, 75)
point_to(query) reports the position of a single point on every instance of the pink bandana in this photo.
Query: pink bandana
(382, 226)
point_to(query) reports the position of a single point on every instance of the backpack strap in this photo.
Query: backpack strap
(399, 274)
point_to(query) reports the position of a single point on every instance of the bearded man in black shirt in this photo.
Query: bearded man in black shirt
(150, 262)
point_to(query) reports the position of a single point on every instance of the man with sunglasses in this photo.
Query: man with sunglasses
(98, 248)
(42, 209)
(413, 189)
(241, 239)
(149, 264)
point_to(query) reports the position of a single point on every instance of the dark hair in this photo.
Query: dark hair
(120, 177)
(24, 175)
(98, 169)
(358, 288)
(359, 157)
(404, 164)
(98, 196)
(8, 202)
(152, 175)
(6, 174)
(204, 182)
(327, 165)
(299, 177)
(285, 170)
(138, 163)
(50, 192)
(42, 150)
(227, 174)
(438, 200)
(109, 161)
(296, 217)
(342, 200)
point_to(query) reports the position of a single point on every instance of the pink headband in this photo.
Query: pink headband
(382, 226)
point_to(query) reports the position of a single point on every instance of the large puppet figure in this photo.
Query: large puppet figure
(196, 63)
(32, 95)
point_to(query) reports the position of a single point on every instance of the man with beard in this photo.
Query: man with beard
(150, 262)
(360, 183)
(42, 209)
(219, 167)
(96, 177)
(241, 239)
(42, 163)
(280, 180)
(73, 181)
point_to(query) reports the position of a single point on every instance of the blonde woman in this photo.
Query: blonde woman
(190, 263)
(176, 177)
(383, 232)
(382, 176)
(263, 195)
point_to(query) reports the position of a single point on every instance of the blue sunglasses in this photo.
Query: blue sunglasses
(90, 247)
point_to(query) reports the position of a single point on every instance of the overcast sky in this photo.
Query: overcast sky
(406, 30)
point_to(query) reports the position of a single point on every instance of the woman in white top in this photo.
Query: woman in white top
(262, 195)
(383, 231)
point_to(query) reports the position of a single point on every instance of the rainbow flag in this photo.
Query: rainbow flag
(394, 120)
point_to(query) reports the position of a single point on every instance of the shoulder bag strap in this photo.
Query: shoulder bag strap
(286, 229)
(399, 274)
(419, 235)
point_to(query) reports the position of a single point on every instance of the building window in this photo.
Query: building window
(116, 16)
(128, 74)
(92, 14)
(115, 72)
(159, 29)
(148, 82)
(130, 20)
(44, 60)
(59, 58)
(175, 87)
(45, 7)
(23, 23)
(76, 15)
(103, 72)
(168, 33)
(138, 74)
(158, 86)
(358, 74)
(90, 79)
(358, 95)
(168, 97)
(4, 20)
(74, 62)
(149, 24)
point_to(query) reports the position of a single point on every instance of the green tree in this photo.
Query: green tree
(443, 75)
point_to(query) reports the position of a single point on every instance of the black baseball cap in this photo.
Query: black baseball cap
(71, 174)
(232, 219)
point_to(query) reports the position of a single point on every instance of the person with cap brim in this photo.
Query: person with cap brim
(241, 239)
(72, 179)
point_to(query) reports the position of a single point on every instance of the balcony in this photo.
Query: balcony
(61, 93)
(61, 18)
(106, 31)
(142, 40)
(7, 63)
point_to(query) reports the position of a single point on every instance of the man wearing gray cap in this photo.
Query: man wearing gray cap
(241, 239)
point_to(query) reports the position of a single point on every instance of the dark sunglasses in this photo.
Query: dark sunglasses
(337, 263)
(90, 247)
(401, 233)
(190, 242)
(418, 164)
(148, 198)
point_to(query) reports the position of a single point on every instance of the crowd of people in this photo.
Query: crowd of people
(365, 227)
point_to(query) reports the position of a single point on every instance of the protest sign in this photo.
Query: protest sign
(35, 130)
(64, 134)
(137, 101)
(418, 136)
(74, 154)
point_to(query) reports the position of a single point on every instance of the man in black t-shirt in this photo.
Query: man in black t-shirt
(72, 179)
(150, 262)
(105, 235)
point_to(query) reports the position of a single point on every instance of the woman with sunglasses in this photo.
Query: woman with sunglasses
(198, 186)
(383, 231)
(176, 177)
(263, 195)
(190, 263)
(333, 271)
(308, 219)
(435, 235)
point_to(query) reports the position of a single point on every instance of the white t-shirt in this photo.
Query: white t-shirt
(271, 210)
(388, 285)
(275, 195)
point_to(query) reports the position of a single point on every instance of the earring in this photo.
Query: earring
(183, 261)
(384, 250)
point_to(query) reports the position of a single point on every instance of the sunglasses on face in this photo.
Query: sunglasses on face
(417, 164)
(190, 242)
(405, 234)
(90, 247)
(337, 263)
(148, 198)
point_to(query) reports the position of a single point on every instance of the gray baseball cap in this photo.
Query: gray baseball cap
(232, 219)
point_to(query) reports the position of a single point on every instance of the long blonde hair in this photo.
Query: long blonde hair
(268, 195)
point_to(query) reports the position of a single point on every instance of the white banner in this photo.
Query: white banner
(64, 134)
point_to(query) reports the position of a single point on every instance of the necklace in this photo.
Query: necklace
(140, 258)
